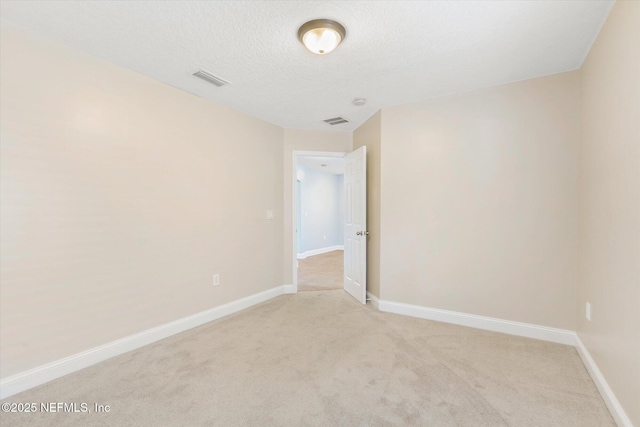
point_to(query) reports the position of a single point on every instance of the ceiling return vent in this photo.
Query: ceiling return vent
(208, 77)
(336, 121)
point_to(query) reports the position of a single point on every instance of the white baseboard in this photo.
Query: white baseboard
(561, 336)
(303, 255)
(618, 413)
(374, 300)
(45, 373)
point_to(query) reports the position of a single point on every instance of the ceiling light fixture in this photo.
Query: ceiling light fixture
(359, 102)
(321, 36)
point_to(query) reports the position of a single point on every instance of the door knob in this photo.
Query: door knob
(358, 233)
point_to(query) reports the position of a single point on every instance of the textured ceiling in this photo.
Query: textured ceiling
(394, 51)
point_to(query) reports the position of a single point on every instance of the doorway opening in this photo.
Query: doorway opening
(319, 203)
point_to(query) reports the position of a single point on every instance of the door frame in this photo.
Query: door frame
(294, 197)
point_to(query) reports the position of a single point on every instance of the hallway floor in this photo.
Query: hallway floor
(321, 272)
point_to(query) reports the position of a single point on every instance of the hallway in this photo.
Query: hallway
(321, 272)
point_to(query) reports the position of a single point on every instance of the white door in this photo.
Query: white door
(355, 231)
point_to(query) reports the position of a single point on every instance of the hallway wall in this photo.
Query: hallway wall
(321, 214)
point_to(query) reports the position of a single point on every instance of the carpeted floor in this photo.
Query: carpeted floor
(321, 272)
(322, 359)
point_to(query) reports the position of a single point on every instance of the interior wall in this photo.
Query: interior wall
(369, 135)
(121, 197)
(480, 202)
(303, 140)
(610, 204)
(320, 210)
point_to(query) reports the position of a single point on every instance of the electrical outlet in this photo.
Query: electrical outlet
(269, 214)
(587, 312)
(216, 280)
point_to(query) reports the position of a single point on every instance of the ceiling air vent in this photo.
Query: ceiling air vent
(336, 121)
(208, 77)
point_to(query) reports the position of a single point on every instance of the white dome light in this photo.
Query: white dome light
(321, 36)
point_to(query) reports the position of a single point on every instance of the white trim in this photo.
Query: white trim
(45, 373)
(374, 300)
(618, 413)
(561, 336)
(306, 254)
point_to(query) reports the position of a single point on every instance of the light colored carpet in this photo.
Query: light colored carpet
(321, 272)
(322, 359)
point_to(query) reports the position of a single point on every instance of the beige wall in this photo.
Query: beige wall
(480, 202)
(121, 197)
(303, 140)
(610, 204)
(368, 134)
